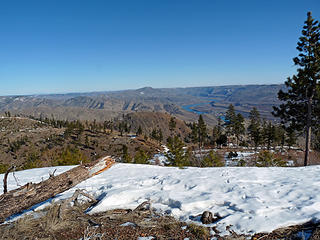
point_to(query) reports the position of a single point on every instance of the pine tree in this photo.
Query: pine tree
(215, 135)
(269, 134)
(160, 135)
(157, 134)
(317, 140)
(230, 120)
(125, 154)
(301, 108)
(86, 142)
(238, 127)
(121, 129)
(194, 133)
(172, 124)
(212, 160)
(202, 131)
(254, 127)
(176, 155)
(280, 135)
(154, 134)
(139, 131)
(291, 137)
(141, 157)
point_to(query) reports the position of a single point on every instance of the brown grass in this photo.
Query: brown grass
(76, 225)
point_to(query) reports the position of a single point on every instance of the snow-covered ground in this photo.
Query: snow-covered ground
(249, 199)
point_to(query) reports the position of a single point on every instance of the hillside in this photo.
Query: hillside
(149, 121)
(28, 143)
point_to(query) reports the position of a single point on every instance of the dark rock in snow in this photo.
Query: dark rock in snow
(207, 217)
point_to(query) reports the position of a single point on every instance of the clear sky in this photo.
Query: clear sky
(51, 46)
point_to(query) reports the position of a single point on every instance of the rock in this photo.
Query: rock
(207, 217)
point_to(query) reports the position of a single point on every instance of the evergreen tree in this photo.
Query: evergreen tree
(139, 131)
(202, 131)
(125, 154)
(280, 135)
(230, 120)
(238, 126)
(172, 124)
(160, 135)
(176, 155)
(268, 133)
(254, 127)
(301, 108)
(212, 160)
(222, 140)
(194, 133)
(154, 134)
(121, 128)
(291, 137)
(215, 135)
(264, 132)
(86, 142)
(141, 157)
(317, 140)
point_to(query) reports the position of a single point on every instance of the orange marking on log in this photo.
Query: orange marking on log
(109, 163)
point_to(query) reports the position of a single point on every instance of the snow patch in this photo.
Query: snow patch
(249, 199)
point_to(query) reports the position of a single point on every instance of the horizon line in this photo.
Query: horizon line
(130, 89)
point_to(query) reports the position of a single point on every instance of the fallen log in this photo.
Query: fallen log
(20, 199)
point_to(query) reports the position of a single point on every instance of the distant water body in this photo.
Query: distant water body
(190, 108)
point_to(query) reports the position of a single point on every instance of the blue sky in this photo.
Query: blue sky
(75, 45)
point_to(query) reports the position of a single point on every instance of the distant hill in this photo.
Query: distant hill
(184, 103)
(149, 121)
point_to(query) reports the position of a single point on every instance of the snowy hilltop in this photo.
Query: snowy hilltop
(249, 200)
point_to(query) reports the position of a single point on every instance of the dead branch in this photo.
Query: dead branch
(145, 206)
(5, 179)
(51, 175)
(74, 198)
(142, 206)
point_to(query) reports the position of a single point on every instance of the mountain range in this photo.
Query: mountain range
(184, 103)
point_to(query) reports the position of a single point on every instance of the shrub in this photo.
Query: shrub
(241, 163)
(33, 161)
(268, 159)
(70, 156)
(212, 160)
(141, 157)
(126, 158)
(16, 145)
(198, 231)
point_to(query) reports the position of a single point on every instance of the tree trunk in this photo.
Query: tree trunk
(30, 194)
(308, 133)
